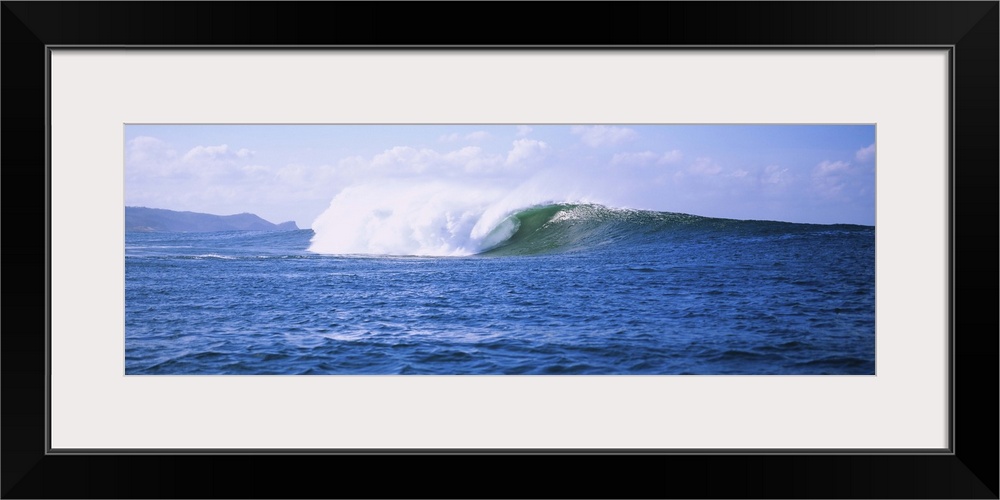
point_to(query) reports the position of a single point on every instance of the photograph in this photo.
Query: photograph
(500, 249)
(688, 249)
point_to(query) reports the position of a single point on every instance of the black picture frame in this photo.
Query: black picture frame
(969, 470)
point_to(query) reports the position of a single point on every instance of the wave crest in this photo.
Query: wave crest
(447, 220)
(435, 219)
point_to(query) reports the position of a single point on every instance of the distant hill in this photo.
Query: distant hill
(142, 219)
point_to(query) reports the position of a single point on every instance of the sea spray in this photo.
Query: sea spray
(428, 219)
(392, 219)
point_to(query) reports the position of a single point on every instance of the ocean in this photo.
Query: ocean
(558, 289)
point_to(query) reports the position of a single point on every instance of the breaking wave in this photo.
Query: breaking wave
(440, 221)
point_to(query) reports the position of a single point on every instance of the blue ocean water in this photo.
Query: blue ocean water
(572, 289)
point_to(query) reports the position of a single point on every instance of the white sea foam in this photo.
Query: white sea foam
(430, 219)
(214, 256)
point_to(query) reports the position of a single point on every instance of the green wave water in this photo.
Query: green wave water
(574, 227)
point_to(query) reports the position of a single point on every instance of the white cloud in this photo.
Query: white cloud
(205, 152)
(523, 130)
(472, 159)
(292, 174)
(705, 166)
(406, 159)
(352, 162)
(603, 135)
(145, 149)
(831, 167)
(465, 154)
(670, 157)
(215, 153)
(865, 154)
(830, 177)
(643, 158)
(524, 150)
(774, 175)
(149, 158)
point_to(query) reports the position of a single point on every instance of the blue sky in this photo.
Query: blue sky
(796, 173)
